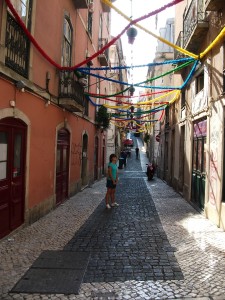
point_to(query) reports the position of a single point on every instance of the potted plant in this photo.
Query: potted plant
(102, 118)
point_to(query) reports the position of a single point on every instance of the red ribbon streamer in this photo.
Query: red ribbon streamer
(48, 58)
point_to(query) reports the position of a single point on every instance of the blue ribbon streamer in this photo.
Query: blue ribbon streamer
(148, 86)
(175, 61)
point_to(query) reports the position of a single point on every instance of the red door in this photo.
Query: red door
(62, 166)
(12, 174)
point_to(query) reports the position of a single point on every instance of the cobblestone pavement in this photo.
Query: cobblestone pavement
(153, 246)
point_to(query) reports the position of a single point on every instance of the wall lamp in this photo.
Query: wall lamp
(20, 85)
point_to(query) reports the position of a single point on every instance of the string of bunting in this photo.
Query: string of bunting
(51, 61)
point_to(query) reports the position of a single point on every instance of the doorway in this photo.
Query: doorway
(103, 157)
(181, 160)
(84, 160)
(199, 165)
(13, 134)
(96, 159)
(62, 166)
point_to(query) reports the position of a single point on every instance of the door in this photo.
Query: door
(62, 166)
(199, 165)
(181, 161)
(96, 159)
(172, 157)
(84, 177)
(12, 174)
(103, 157)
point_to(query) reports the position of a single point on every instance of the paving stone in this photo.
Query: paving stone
(171, 236)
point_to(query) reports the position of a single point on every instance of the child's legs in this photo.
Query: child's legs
(108, 195)
(113, 195)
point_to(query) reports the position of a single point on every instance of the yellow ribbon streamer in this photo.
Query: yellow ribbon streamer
(219, 37)
(107, 2)
(139, 103)
(175, 97)
(201, 55)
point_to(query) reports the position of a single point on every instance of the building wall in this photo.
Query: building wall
(207, 104)
(39, 109)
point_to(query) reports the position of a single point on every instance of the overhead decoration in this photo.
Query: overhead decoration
(148, 86)
(131, 33)
(47, 57)
(217, 40)
(160, 102)
(131, 90)
(166, 62)
(179, 49)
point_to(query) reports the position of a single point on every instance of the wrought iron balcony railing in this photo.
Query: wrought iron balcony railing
(179, 43)
(195, 25)
(71, 93)
(17, 47)
(103, 57)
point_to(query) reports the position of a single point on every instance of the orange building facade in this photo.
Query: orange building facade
(50, 147)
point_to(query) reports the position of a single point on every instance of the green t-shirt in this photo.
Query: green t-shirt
(114, 170)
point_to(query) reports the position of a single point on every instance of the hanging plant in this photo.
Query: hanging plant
(102, 118)
(146, 138)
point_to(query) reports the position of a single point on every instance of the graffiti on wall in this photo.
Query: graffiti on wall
(213, 160)
(213, 177)
(76, 154)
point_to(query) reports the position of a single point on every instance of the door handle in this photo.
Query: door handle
(13, 183)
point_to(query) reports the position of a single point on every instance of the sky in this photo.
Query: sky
(144, 47)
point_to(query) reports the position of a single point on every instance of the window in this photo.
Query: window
(223, 72)
(67, 43)
(100, 27)
(22, 8)
(17, 44)
(199, 83)
(90, 18)
(183, 103)
(224, 81)
(3, 155)
(223, 193)
(98, 93)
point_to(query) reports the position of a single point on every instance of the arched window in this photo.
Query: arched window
(67, 42)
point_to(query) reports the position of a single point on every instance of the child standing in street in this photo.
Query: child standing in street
(112, 179)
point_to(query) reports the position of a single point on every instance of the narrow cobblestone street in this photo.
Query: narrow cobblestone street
(153, 246)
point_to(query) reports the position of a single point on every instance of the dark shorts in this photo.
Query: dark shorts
(110, 185)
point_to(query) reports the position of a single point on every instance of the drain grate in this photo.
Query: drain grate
(54, 272)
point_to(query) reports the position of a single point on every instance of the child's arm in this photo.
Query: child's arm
(116, 176)
(110, 173)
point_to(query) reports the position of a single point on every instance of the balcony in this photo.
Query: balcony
(214, 5)
(103, 57)
(195, 26)
(71, 92)
(17, 47)
(179, 43)
(80, 4)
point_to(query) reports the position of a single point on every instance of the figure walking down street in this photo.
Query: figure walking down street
(137, 152)
(112, 179)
